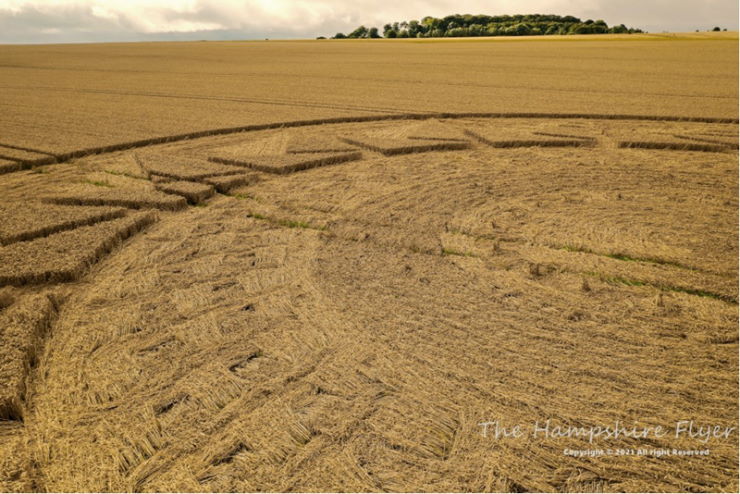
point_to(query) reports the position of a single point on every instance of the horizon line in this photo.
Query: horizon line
(667, 35)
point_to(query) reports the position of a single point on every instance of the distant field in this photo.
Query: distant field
(69, 97)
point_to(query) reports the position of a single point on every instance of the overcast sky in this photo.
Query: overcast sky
(49, 21)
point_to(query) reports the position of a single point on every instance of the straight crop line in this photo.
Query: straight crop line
(243, 197)
(434, 145)
(9, 158)
(520, 143)
(453, 252)
(285, 223)
(123, 174)
(63, 157)
(619, 280)
(570, 248)
(674, 146)
(69, 225)
(704, 139)
(98, 183)
(21, 148)
(625, 257)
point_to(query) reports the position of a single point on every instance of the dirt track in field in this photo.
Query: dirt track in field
(322, 325)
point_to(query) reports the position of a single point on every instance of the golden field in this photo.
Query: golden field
(69, 97)
(322, 265)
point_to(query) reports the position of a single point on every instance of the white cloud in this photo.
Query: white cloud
(96, 20)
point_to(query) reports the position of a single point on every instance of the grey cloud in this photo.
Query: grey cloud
(668, 15)
(62, 24)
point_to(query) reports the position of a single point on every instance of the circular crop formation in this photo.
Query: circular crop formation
(290, 293)
(187, 172)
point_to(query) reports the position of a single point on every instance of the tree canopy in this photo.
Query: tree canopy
(457, 25)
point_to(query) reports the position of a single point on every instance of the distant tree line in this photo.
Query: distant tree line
(458, 26)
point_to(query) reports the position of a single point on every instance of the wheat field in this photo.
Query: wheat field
(322, 265)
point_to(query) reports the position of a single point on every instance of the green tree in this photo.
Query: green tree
(360, 32)
(619, 29)
(485, 25)
(521, 29)
(414, 28)
(476, 30)
(457, 32)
